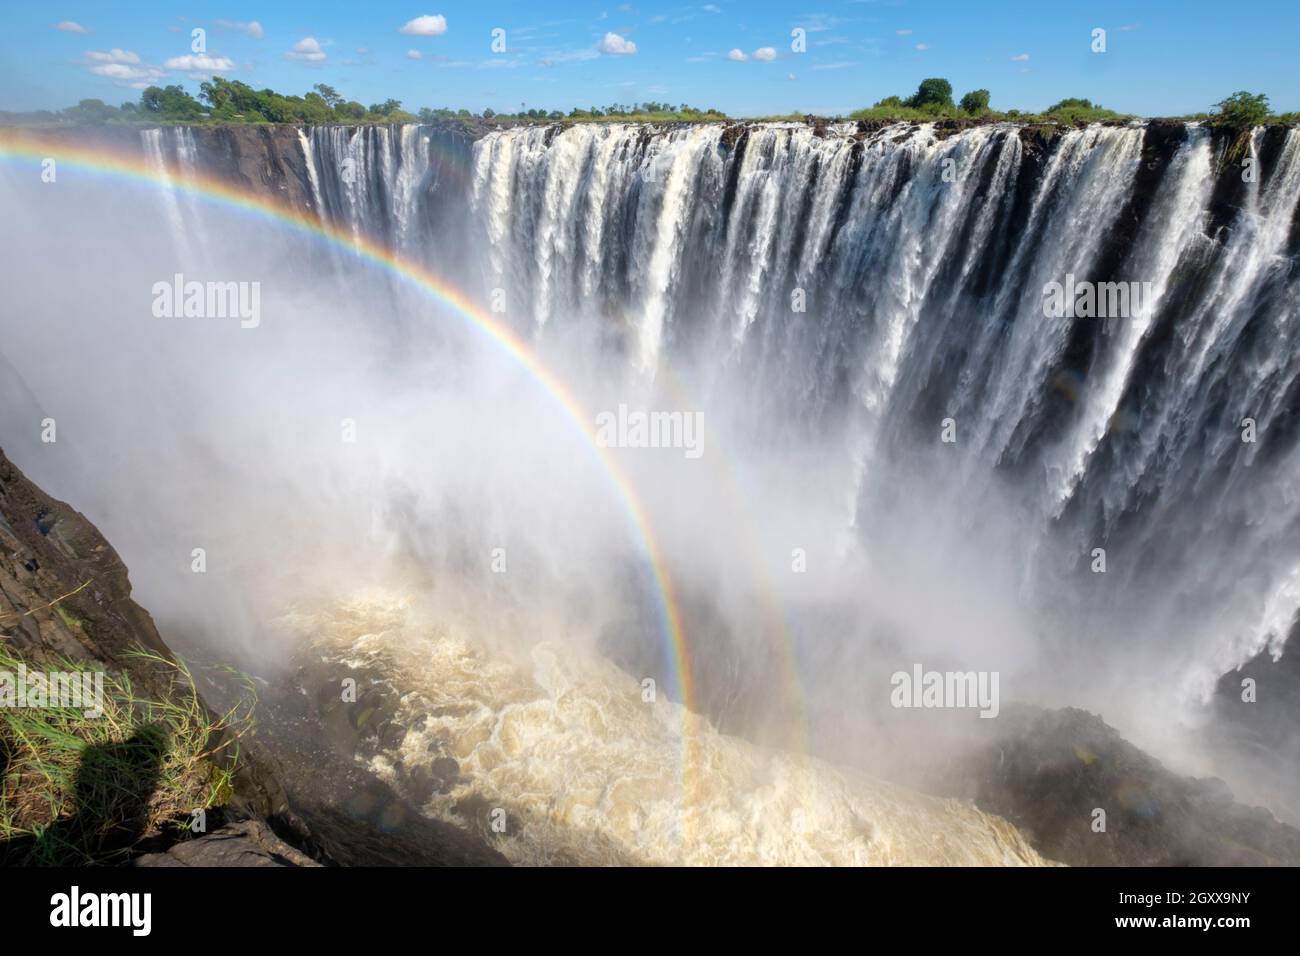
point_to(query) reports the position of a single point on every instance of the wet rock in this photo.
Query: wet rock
(731, 134)
(391, 736)
(247, 843)
(438, 777)
(1048, 771)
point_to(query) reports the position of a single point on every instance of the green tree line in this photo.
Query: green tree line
(230, 101)
(933, 100)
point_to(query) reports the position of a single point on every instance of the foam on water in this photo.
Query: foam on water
(588, 772)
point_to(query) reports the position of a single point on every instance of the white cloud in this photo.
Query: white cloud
(70, 26)
(114, 55)
(739, 56)
(904, 33)
(1020, 57)
(252, 28)
(425, 26)
(923, 46)
(137, 77)
(117, 71)
(414, 55)
(712, 8)
(308, 49)
(615, 45)
(765, 53)
(791, 76)
(201, 62)
(123, 67)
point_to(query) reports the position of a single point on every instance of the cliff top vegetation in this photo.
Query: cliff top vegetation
(223, 101)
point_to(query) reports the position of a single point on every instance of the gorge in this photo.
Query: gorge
(822, 298)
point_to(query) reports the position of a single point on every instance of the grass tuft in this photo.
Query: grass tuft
(79, 790)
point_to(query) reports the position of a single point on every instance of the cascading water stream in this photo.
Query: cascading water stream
(849, 290)
(924, 258)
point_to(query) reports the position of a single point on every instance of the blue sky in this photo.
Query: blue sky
(1161, 58)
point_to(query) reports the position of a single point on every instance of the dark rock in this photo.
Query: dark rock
(65, 593)
(1046, 771)
(247, 843)
(50, 553)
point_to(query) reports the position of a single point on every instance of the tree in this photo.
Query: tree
(328, 94)
(315, 109)
(170, 102)
(935, 91)
(488, 112)
(275, 108)
(1242, 111)
(231, 99)
(386, 107)
(1071, 103)
(91, 112)
(976, 101)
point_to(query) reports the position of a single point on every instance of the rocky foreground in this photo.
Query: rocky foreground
(65, 595)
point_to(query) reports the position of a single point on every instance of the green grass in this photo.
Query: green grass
(68, 617)
(80, 790)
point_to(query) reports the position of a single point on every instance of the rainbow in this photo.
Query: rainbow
(24, 147)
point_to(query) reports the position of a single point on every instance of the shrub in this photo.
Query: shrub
(935, 91)
(976, 101)
(1077, 110)
(1241, 111)
(1071, 103)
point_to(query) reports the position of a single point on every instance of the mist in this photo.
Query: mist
(366, 438)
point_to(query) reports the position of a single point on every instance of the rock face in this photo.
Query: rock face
(1049, 771)
(265, 160)
(247, 843)
(65, 594)
(48, 550)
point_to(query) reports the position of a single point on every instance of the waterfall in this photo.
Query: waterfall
(851, 289)
(992, 399)
(162, 150)
(922, 258)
